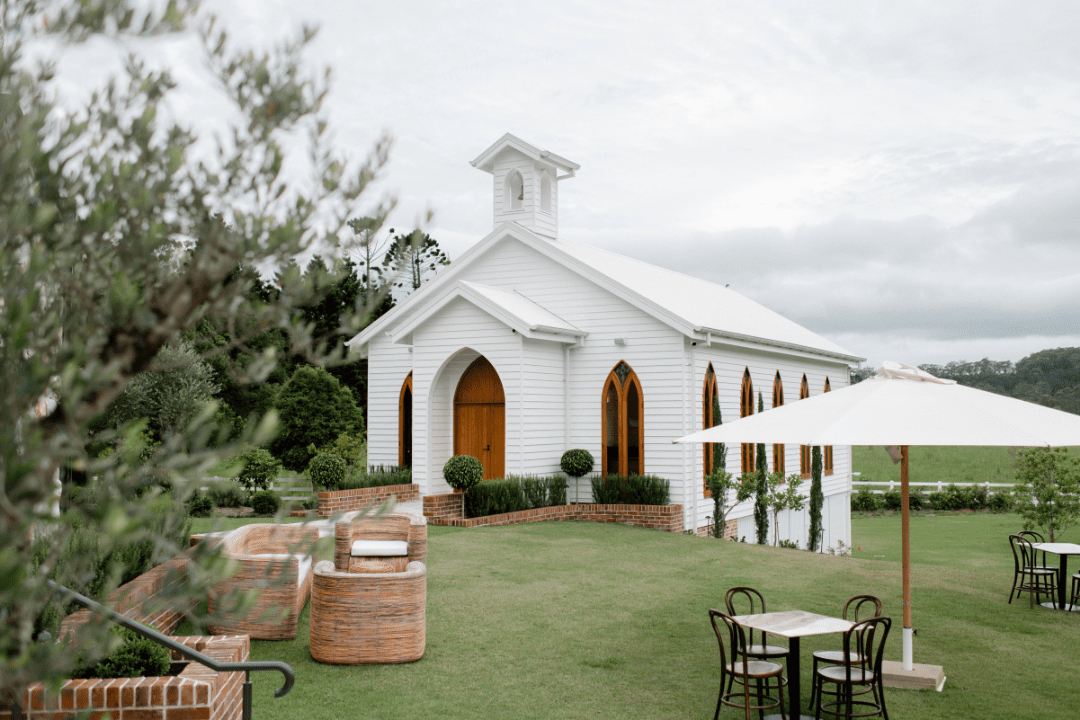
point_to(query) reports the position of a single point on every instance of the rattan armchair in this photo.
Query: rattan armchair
(368, 617)
(386, 543)
(275, 561)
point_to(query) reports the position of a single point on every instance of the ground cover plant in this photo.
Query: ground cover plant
(579, 620)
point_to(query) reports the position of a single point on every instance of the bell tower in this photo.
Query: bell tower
(526, 183)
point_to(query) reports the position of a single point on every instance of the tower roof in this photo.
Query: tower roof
(486, 160)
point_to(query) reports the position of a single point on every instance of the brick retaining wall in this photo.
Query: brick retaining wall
(338, 501)
(731, 530)
(197, 693)
(136, 599)
(446, 510)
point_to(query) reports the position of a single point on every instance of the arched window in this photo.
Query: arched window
(777, 401)
(804, 450)
(710, 417)
(514, 193)
(746, 409)
(827, 453)
(405, 423)
(545, 191)
(623, 424)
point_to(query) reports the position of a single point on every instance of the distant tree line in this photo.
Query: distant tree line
(1048, 377)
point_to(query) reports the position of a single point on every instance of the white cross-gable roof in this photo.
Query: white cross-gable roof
(508, 306)
(695, 307)
(486, 160)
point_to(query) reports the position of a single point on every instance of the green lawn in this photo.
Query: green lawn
(575, 620)
(944, 464)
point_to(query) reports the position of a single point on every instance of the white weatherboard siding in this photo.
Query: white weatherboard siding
(542, 441)
(443, 348)
(729, 364)
(388, 366)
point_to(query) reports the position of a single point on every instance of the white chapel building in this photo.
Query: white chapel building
(529, 345)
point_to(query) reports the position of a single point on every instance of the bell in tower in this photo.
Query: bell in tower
(526, 183)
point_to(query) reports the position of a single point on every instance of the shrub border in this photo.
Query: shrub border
(447, 510)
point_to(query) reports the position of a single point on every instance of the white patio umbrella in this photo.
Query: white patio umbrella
(902, 406)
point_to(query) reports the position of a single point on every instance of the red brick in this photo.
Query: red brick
(144, 714)
(188, 713)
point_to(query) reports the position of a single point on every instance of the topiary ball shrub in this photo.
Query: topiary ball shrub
(265, 502)
(200, 505)
(577, 463)
(327, 471)
(462, 472)
(260, 467)
(137, 657)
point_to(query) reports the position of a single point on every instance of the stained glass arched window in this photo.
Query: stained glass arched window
(623, 425)
(804, 450)
(746, 409)
(777, 401)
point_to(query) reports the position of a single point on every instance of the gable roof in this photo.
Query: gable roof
(486, 160)
(507, 306)
(697, 308)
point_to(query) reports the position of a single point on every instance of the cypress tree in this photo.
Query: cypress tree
(817, 499)
(761, 500)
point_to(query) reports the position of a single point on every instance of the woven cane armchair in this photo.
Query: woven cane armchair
(368, 617)
(275, 561)
(387, 543)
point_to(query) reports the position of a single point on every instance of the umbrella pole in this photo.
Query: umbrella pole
(905, 534)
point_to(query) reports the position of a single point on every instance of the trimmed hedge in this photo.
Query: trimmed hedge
(136, 657)
(327, 471)
(511, 494)
(632, 490)
(952, 497)
(378, 476)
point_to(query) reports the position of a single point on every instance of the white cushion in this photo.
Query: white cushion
(383, 548)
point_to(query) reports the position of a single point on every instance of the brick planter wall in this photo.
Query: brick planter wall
(339, 501)
(731, 530)
(135, 598)
(197, 693)
(655, 517)
(450, 505)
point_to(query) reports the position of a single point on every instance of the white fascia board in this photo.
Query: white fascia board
(534, 332)
(430, 292)
(486, 159)
(723, 337)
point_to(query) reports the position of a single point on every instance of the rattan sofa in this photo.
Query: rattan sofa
(399, 527)
(368, 617)
(275, 561)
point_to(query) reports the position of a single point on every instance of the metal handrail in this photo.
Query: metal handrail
(246, 667)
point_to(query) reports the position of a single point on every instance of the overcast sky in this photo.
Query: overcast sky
(902, 178)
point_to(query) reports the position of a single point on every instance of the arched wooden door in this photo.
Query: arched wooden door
(480, 418)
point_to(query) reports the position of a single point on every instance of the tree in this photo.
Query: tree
(411, 257)
(817, 499)
(117, 240)
(719, 450)
(374, 288)
(1048, 495)
(168, 395)
(315, 409)
(720, 484)
(783, 495)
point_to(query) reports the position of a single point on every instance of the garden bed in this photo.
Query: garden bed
(195, 692)
(338, 501)
(447, 510)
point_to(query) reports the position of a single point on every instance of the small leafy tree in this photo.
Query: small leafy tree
(259, 469)
(783, 496)
(577, 463)
(315, 409)
(720, 484)
(168, 395)
(817, 499)
(462, 472)
(1049, 483)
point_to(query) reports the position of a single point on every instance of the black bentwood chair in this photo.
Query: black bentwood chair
(866, 640)
(1028, 576)
(859, 607)
(743, 670)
